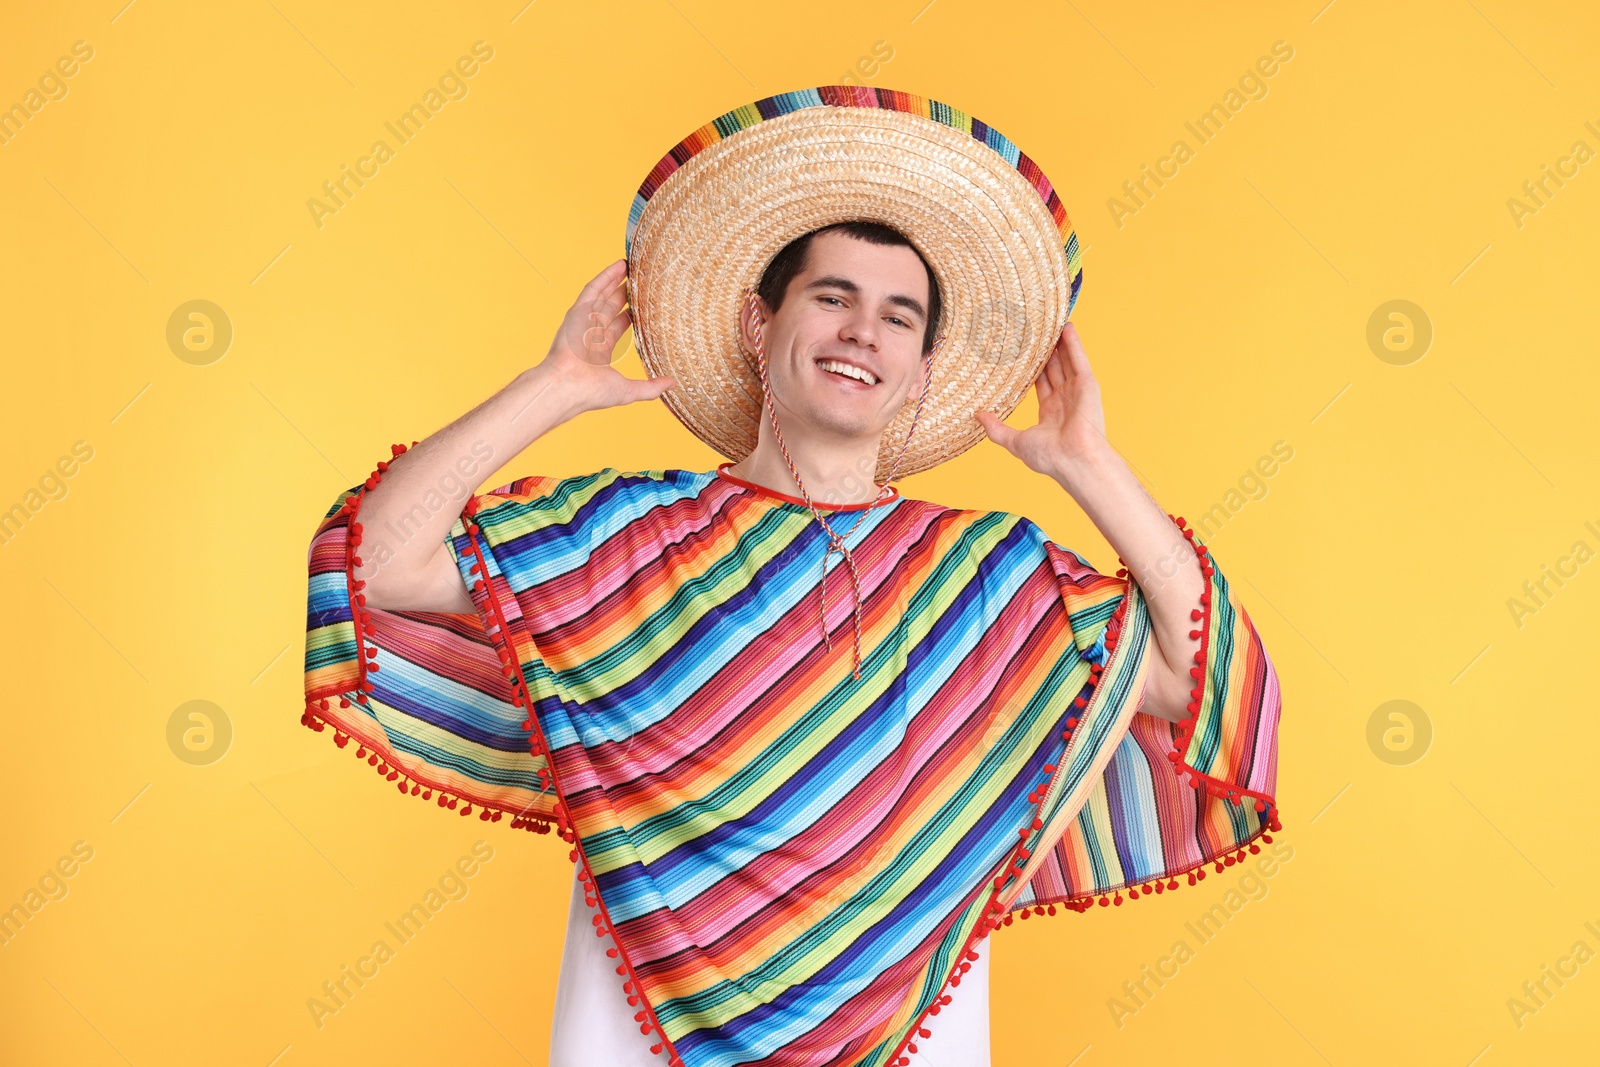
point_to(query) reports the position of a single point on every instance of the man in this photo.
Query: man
(787, 840)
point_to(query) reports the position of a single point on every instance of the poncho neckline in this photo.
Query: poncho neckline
(722, 472)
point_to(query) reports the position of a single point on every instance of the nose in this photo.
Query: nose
(861, 327)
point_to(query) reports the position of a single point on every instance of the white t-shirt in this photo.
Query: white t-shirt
(594, 1024)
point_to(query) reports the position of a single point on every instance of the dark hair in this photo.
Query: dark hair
(791, 260)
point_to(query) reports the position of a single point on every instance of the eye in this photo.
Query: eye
(902, 322)
(833, 298)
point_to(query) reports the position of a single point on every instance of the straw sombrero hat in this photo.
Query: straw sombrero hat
(727, 198)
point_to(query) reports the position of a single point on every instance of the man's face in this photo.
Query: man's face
(855, 303)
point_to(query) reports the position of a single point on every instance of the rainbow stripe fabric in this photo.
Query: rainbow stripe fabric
(742, 118)
(796, 867)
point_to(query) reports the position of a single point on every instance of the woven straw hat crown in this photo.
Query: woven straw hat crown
(726, 199)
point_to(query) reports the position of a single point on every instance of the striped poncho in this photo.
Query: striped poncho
(795, 866)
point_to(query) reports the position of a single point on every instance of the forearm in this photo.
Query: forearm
(1158, 557)
(407, 515)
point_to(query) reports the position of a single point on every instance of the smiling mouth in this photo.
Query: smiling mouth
(840, 369)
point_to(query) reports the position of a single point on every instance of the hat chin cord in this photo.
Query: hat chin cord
(835, 540)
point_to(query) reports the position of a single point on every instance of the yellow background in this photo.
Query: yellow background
(1229, 313)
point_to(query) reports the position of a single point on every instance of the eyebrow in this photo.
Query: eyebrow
(832, 281)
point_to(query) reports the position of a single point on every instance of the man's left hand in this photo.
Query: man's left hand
(1072, 424)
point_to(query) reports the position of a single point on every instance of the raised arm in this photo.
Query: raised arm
(420, 497)
(1069, 444)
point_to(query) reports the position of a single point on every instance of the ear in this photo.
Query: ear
(922, 370)
(746, 329)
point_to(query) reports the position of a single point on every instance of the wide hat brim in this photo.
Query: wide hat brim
(716, 209)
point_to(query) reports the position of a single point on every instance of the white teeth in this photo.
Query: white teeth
(847, 369)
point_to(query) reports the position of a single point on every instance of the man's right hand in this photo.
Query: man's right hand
(418, 571)
(581, 354)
